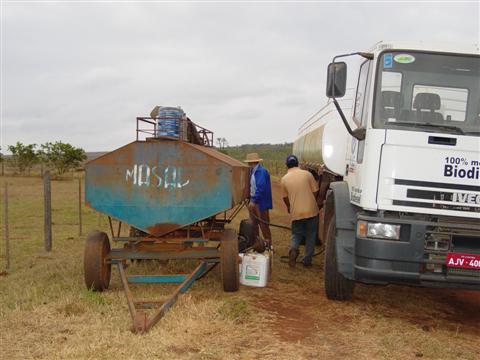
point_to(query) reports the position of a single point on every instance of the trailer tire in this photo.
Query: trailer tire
(97, 270)
(337, 287)
(229, 261)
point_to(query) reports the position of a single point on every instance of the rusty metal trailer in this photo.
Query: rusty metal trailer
(177, 195)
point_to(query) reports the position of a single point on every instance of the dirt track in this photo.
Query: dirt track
(300, 313)
(46, 312)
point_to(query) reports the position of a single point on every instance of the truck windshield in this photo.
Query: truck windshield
(428, 92)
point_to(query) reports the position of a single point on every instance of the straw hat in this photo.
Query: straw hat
(252, 157)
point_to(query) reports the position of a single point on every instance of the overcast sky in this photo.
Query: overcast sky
(82, 72)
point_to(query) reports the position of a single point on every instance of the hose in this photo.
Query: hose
(283, 258)
(270, 224)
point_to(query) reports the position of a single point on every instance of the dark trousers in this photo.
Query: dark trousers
(264, 215)
(305, 229)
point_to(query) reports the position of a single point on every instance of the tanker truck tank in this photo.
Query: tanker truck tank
(322, 140)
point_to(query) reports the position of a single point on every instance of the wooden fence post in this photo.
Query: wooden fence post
(79, 206)
(6, 234)
(47, 211)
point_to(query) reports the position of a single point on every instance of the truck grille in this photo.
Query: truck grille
(463, 272)
(434, 195)
(450, 235)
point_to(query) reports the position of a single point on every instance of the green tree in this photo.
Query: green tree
(61, 157)
(23, 156)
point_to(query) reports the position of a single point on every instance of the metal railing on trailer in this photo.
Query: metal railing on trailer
(189, 131)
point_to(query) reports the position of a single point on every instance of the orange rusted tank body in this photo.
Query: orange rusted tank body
(161, 185)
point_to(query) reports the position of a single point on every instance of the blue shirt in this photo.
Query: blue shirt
(260, 188)
(253, 183)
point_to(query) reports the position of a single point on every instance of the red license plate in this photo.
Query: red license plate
(464, 261)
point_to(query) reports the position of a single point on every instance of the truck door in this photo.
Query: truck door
(360, 114)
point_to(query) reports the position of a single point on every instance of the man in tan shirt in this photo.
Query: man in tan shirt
(299, 191)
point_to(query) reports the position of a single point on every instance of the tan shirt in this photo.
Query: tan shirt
(299, 185)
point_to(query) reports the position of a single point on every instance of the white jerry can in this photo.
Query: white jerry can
(255, 269)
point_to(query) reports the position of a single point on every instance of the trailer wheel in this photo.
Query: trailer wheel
(97, 270)
(229, 261)
(337, 287)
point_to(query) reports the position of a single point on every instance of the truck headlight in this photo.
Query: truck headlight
(378, 230)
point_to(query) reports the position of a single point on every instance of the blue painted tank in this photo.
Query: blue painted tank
(161, 185)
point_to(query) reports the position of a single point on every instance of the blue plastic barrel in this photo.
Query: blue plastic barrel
(168, 121)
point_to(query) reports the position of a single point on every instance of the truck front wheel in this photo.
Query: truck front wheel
(337, 287)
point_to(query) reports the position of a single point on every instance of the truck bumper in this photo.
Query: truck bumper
(418, 258)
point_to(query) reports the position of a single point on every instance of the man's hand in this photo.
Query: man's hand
(251, 205)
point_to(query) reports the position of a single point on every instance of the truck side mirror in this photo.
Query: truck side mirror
(336, 79)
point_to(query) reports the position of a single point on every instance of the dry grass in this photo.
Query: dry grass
(46, 312)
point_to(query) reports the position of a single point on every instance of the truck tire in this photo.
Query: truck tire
(97, 270)
(229, 261)
(337, 287)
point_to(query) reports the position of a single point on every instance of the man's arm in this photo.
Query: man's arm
(251, 204)
(314, 186)
(285, 195)
(261, 184)
(287, 203)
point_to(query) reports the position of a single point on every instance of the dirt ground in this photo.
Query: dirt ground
(46, 312)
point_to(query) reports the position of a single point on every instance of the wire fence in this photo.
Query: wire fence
(38, 214)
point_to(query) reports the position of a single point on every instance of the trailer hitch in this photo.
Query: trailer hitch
(142, 322)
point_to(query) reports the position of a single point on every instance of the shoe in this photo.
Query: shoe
(307, 263)
(292, 257)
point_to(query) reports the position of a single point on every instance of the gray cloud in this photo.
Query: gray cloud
(82, 72)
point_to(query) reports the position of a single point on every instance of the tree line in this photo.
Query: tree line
(273, 152)
(56, 156)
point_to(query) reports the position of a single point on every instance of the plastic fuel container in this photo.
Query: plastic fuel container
(255, 269)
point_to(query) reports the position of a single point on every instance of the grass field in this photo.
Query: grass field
(46, 312)
(273, 155)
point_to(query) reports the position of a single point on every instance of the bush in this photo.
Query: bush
(23, 156)
(61, 157)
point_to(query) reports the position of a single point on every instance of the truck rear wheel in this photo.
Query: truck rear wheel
(229, 261)
(337, 287)
(96, 268)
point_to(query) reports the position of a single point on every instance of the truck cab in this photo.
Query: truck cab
(399, 168)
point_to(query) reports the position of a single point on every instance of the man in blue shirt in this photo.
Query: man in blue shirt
(260, 199)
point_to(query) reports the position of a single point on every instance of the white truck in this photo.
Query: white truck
(399, 168)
